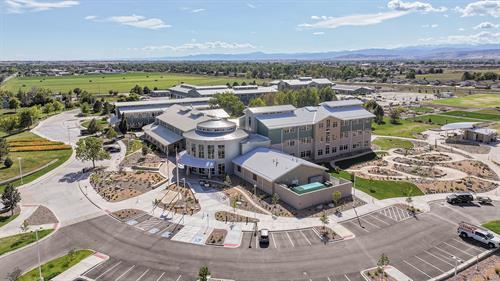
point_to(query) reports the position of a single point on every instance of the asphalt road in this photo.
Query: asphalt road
(401, 241)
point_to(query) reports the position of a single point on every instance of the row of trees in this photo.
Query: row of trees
(23, 119)
(479, 76)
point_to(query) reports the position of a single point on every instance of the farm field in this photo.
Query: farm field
(474, 114)
(477, 100)
(452, 74)
(123, 82)
(405, 128)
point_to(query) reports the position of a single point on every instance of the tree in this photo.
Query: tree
(394, 115)
(14, 103)
(4, 148)
(111, 133)
(227, 181)
(9, 123)
(376, 109)
(275, 200)
(8, 162)
(28, 116)
(336, 195)
(97, 106)
(203, 273)
(10, 198)
(107, 108)
(324, 220)
(145, 149)
(234, 203)
(90, 148)
(382, 262)
(146, 90)
(123, 125)
(24, 226)
(85, 108)
(229, 102)
(93, 126)
(57, 105)
(137, 90)
(257, 102)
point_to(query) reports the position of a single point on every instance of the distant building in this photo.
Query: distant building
(244, 93)
(468, 132)
(160, 93)
(302, 82)
(352, 90)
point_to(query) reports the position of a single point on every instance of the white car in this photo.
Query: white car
(467, 230)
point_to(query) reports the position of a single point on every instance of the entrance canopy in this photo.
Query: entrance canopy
(191, 161)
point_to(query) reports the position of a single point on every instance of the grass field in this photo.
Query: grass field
(5, 220)
(405, 128)
(383, 189)
(57, 266)
(452, 74)
(101, 84)
(477, 115)
(101, 123)
(31, 160)
(442, 119)
(493, 226)
(478, 100)
(423, 109)
(387, 143)
(17, 241)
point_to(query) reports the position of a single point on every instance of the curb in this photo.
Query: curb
(461, 267)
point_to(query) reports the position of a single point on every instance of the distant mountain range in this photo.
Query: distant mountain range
(435, 52)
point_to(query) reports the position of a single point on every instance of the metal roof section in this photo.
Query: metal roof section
(344, 112)
(349, 87)
(304, 81)
(217, 113)
(271, 109)
(340, 103)
(161, 134)
(271, 164)
(298, 117)
(162, 101)
(458, 125)
(182, 117)
(483, 131)
(206, 91)
(191, 161)
(216, 130)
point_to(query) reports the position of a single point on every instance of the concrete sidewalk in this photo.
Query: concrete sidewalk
(83, 266)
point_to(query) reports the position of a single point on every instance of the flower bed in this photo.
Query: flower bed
(421, 171)
(470, 184)
(187, 204)
(432, 157)
(232, 217)
(327, 234)
(383, 172)
(127, 214)
(474, 168)
(217, 237)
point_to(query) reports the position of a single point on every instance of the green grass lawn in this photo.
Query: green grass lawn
(17, 241)
(388, 143)
(31, 160)
(405, 128)
(102, 83)
(422, 109)
(57, 266)
(477, 100)
(454, 74)
(132, 145)
(441, 120)
(381, 189)
(489, 111)
(476, 115)
(100, 122)
(493, 226)
(5, 220)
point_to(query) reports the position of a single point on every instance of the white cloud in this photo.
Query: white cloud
(198, 46)
(90, 17)
(250, 5)
(483, 37)
(197, 10)
(430, 25)
(318, 33)
(140, 21)
(486, 25)
(461, 29)
(352, 20)
(21, 6)
(481, 8)
(399, 5)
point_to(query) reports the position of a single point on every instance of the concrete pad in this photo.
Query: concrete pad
(233, 238)
(396, 274)
(186, 234)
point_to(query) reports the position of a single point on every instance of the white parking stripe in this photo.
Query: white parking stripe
(160, 276)
(379, 219)
(448, 253)
(417, 268)
(430, 264)
(178, 278)
(370, 223)
(468, 245)
(274, 240)
(142, 275)
(290, 239)
(356, 224)
(124, 273)
(431, 254)
(347, 277)
(458, 249)
(305, 237)
(328, 278)
(396, 214)
(108, 270)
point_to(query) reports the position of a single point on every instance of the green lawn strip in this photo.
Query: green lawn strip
(5, 220)
(347, 163)
(133, 146)
(489, 111)
(404, 128)
(388, 143)
(123, 82)
(493, 226)
(17, 241)
(381, 189)
(57, 266)
(476, 100)
(476, 115)
(423, 109)
(100, 122)
(440, 120)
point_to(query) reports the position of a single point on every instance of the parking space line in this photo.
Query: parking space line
(108, 270)
(402, 213)
(178, 278)
(347, 277)
(358, 226)
(396, 213)
(376, 226)
(417, 269)
(274, 240)
(431, 254)
(448, 253)
(430, 264)
(305, 237)
(379, 220)
(160, 276)
(142, 275)
(124, 273)
(290, 239)
(458, 249)
(468, 245)
(328, 278)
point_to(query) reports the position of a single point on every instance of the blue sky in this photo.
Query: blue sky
(104, 29)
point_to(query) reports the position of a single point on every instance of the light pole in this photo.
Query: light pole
(20, 170)
(40, 277)
(255, 196)
(457, 260)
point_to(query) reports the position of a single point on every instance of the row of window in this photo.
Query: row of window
(341, 148)
(221, 170)
(199, 151)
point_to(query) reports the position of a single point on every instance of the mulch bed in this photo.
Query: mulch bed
(327, 234)
(188, 204)
(232, 217)
(475, 168)
(217, 237)
(127, 214)
(489, 269)
(42, 215)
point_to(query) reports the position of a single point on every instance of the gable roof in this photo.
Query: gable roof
(182, 117)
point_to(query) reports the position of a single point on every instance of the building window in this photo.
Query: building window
(308, 153)
(201, 151)
(334, 149)
(334, 124)
(327, 149)
(302, 154)
(221, 151)
(221, 168)
(254, 177)
(238, 168)
(193, 149)
(210, 151)
(328, 123)
(201, 171)
(320, 125)
(320, 152)
(291, 142)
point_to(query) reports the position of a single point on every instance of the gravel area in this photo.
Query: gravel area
(487, 269)
(42, 215)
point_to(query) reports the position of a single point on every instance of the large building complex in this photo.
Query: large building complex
(244, 93)
(317, 133)
(301, 82)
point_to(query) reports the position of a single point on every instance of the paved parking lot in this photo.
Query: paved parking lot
(377, 220)
(436, 260)
(354, 276)
(283, 239)
(115, 270)
(154, 225)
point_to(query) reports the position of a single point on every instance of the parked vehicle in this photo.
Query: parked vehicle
(112, 148)
(462, 197)
(264, 236)
(484, 200)
(467, 230)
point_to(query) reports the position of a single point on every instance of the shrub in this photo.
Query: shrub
(8, 162)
